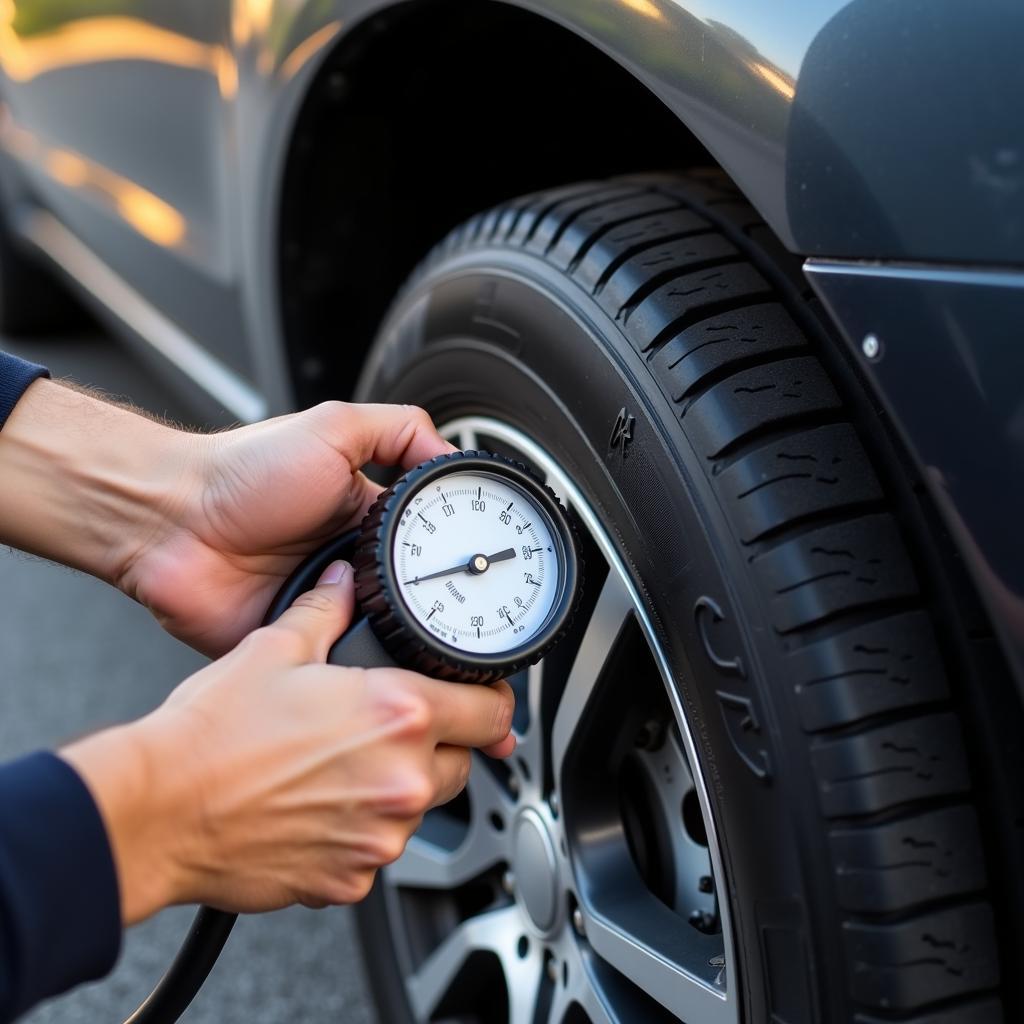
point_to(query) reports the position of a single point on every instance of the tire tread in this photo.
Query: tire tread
(705, 294)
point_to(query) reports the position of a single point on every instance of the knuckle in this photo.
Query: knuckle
(458, 779)
(405, 707)
(351, 887)
(420, 417)
(312, 900)
(416, 716)
(389, 847)
(331, 409)
(414, 795)
(359, 885)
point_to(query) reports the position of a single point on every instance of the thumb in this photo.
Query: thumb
(322, 614)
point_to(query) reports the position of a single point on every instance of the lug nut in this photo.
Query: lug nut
(702, 921)
(577, 922)
(650, 735)
(552, 968)
(513, 785)
(706, 884)
(553, 804)
(508, 883)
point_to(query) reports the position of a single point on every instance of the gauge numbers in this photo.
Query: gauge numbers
(477, 562)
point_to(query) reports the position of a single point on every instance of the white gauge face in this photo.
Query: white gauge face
(477, 562)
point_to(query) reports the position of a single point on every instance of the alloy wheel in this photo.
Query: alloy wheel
(580, 880)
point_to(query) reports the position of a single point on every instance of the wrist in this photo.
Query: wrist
(88, 483)
(134, 775)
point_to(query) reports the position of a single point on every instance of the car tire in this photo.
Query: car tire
(654, 340)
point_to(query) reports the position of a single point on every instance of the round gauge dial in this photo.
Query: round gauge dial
(470, 564)
(477, 562)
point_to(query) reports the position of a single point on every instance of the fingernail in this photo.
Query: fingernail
(334, 573)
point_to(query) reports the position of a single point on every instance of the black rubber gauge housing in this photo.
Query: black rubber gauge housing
(394, 623)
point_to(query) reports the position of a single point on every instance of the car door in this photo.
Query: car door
(121, 112)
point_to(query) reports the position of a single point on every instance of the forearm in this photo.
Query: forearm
(85, 482)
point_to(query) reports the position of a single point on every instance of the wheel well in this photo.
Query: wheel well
(419, 118)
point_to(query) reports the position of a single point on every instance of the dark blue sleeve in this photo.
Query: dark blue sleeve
(15, 376)
(60, 909)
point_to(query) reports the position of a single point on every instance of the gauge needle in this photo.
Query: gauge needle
(501, 556)
(477, 564)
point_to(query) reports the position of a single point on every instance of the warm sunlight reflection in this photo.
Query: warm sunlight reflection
(249, 19)
(92, 40)
(781, 83)
(227, 74)
(150, 215)
(308, 49)
(647, 8)
(145, 212)
(68, 168)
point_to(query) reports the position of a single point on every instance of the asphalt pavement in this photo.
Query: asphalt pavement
(78, 656)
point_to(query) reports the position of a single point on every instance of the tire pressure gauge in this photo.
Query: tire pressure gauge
(467, 568)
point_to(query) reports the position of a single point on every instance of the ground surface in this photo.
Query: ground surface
(77, 656)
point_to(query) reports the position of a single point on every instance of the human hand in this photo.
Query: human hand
(200, 528)
(270, 778)
(256, 501)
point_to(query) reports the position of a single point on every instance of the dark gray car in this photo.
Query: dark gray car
(745, 283)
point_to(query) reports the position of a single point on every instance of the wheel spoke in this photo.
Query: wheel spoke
(534, 688)
(530, 742)
(594, 1006)
(523, 977)
(427, 865)
(486, 795)
(613, 608)
(670, 783)
(439, 970)
(497, 932)
(559, 1006)
(688, 996)
(581, 991)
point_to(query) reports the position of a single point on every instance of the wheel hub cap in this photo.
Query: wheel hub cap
(536, 870)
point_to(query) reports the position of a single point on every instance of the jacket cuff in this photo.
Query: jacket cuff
(60, 908)
(15, 376)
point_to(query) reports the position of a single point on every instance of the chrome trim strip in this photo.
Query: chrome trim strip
(998, 277)
(44, 231)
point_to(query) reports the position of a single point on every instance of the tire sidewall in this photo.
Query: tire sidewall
(500, 333)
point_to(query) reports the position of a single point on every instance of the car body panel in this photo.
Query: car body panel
(949, 370)
(860, 129)
(817, 111)
(732, 74)
(121, 117)
(823, 112)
